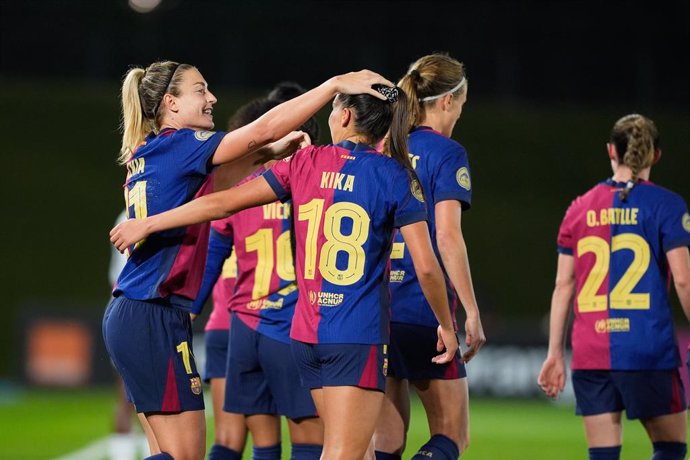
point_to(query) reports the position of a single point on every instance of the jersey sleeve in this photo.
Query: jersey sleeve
(279, 177)
(219, 249)
(452, 179)
(565, 232)
(409, 206)
(674, 223)
(199, 147)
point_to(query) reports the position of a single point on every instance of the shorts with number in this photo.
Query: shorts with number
(411, 350)
(262, 376)
(642, 394)
(216, 342)
(335, 364)
(150, 343)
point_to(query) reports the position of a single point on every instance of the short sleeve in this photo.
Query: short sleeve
(223, 227)
(279, 177)
(409, 205)
(565, 232)
(674, 223)
(452, 179)
(198, 148)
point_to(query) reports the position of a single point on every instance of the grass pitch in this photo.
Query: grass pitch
(42, 424)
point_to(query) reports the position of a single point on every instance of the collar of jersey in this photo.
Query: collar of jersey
(616, 184)
(354, 148)
(425, 128)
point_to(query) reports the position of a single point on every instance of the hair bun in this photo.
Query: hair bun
(391, 93)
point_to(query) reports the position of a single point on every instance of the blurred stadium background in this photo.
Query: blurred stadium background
(547, 81)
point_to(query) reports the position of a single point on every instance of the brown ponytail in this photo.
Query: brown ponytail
(428, 77)
(635, 138)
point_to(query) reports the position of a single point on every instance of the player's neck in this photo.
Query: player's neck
(436, 121)
(622, 173)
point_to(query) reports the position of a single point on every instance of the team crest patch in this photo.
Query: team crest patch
(463, 178)
(196, 385)
(416, 190)
(203, 135)
(686, 222)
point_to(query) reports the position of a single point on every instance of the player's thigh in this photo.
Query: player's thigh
(307, 430)
(667, 428)
(350, 417)
(182, 435)
(394, 419)
(230, 429)
(603, 430)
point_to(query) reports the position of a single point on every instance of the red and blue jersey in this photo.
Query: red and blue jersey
(265, 291)
(348, 199)
(444, 172)
(623, 317)
(166, 171)
(219, 319)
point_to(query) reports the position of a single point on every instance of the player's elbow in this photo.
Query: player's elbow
(448, 240)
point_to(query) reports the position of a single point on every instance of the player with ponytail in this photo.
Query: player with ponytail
(617, 245)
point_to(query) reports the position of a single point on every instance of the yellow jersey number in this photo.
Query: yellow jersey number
(621, 296)
(135, 197)
(336, 241)
(261, 242)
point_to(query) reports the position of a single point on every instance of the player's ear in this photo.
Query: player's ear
(170, 102)
(345, 117)
(657, 156)
(611, 149)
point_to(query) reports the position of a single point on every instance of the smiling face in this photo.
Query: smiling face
(192, 107)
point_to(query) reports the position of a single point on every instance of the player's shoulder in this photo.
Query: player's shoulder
(586, 198)
(659, 193)
(423, 136)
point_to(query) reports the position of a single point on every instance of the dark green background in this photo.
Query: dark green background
(62, 192)
(547, 81)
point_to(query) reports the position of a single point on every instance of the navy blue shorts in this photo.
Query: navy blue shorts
(412, 347)
(150, 344)
(216, 341)
(262, 376)
(341, 364)
(642, 394)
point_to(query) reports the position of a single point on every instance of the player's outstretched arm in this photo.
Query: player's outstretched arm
(292, 114)
(451, 245)
(679, 263)
(552, 376)
(210, 207)
(433, 285)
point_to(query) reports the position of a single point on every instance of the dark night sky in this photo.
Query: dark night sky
(555, 52)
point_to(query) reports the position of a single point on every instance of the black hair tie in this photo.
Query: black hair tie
(391, 93)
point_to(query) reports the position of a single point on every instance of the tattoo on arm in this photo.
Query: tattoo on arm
(252, 145)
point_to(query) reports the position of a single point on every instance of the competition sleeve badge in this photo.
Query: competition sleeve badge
(463, 178)
(416, 190)
(686, 222)
(203, 135)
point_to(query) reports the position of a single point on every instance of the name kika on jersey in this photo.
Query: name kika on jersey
(136, 166)
(612, 216)
(337, 181)
(277, 211)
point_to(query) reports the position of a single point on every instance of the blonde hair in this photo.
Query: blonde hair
(429, 76)
(142, 95)
(636, 138)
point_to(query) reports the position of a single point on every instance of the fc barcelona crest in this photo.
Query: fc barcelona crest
(196, 385)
